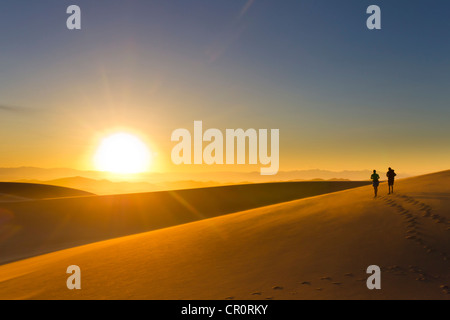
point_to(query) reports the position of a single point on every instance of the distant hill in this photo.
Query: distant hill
(104, 187)
(107, 187)
(165, 179)
(13, 191)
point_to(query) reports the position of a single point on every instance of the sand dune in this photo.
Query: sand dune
(107, 187)
(314, 248)
(36, 227)
(16, 191)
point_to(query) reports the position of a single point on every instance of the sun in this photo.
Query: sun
(122, 153)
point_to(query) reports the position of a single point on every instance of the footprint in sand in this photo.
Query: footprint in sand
(349, 274)
(306, 283)
(256, 293)
(411, 225)
(277, 288)
(415, 269)
(325, 278)
(421, 279)
(396, 270)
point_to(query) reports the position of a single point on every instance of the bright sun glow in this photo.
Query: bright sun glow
(122, 153)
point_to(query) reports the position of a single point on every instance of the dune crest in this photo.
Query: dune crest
(36, 227)
(18, 191)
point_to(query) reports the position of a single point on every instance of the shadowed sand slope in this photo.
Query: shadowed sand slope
(30, 228)
(15, 191)
(315, 248)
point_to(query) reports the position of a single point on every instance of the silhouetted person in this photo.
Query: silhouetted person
(391, 176)
(376, 181)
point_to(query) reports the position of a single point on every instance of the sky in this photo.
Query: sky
(343, 97)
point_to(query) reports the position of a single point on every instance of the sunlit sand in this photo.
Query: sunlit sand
(313, 248)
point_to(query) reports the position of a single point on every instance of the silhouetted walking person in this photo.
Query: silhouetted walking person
(376, 181)
(391, 175)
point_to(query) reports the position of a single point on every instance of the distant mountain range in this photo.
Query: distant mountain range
(103, 183)
(8, 174)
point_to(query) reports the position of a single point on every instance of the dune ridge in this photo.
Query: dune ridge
(17, 191)
(36, 227)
